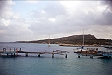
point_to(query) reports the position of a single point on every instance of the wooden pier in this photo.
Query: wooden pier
(15, 52)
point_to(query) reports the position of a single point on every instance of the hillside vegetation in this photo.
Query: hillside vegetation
(75, 40)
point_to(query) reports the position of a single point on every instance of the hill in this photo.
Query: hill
(74, 40)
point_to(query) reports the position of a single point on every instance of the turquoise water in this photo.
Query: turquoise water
(46, 65)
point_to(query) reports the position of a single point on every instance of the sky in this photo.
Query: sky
(25, 20)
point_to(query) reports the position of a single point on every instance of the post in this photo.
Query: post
(39, 55)
(52, 55)
(65, 55)
(86, 52)
(26, 54)
(20, 49)
(91, 56)
(14, 49)
(79, 56)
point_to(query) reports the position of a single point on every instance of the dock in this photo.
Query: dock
(14, 52)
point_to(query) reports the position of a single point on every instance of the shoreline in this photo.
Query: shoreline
(71, 45)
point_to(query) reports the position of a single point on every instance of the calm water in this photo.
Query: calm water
(46, 65)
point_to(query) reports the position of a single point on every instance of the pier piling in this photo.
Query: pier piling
(26, 54)
(78, 56)
(65, 55)
(38, 55)
(52, 55)
(91, 56)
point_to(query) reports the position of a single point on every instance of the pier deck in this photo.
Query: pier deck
(15, 52)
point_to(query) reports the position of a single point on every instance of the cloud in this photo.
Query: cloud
(32, 2)
(57, 18)
(54, 8)
(5, 9)
(51, 19)
(108, 3)
(12, 26)
(5, 22)
(100, 31)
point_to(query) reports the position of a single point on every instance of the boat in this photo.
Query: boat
(88, 51)
(81, 49)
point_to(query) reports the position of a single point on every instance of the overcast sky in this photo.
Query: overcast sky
(34, 20)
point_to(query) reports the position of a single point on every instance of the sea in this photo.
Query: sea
(46, 65)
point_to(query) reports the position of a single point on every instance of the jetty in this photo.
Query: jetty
(15, 51)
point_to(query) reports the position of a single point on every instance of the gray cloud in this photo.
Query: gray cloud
(55, 19)
(51, 10)
(2, 5)
(54, 7)
(65, 22)
(5, 9)
(108, 3)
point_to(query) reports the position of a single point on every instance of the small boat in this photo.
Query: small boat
(87, 51)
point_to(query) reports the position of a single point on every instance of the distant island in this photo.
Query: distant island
(75, 40)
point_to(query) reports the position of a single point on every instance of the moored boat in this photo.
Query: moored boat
(87, 51)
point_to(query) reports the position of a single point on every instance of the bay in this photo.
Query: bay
(46, 65)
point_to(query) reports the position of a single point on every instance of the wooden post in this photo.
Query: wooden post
(52, 55)
(65, 55)
(20, 49)
(26, 54)
(14, 49)
(79, 56)
(86, 53)
(39, 55)
(91, 56)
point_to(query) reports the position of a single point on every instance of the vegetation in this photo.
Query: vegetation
(74, 40)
